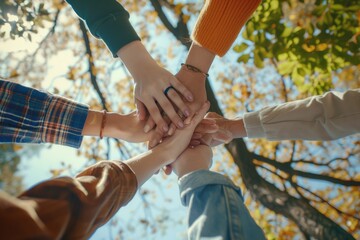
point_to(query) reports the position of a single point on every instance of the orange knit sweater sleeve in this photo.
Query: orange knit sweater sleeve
(220, 22)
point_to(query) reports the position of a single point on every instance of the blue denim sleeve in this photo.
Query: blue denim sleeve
(216, 208)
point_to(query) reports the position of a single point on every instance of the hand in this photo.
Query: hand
(227, 131)
(196, 83)
(202, 59)
(128, 127)
(150, 82)
(180, 140)
(193, 159)
(203, 130)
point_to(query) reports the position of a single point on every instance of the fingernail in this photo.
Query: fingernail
(187, 113)
(146, 128)
(171, 131)
(180, 124)
(165, 128)
(190, 98)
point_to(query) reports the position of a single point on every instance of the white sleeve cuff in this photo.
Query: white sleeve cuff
(253, 126)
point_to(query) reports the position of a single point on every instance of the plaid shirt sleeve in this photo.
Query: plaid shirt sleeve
(28, 115)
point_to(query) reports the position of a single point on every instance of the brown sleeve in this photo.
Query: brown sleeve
(68, 208)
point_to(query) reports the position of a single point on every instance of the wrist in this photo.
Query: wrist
(184, 168)
(237, 128)
(113, 126)
(135, 57)
(92, 126)
(200, 57)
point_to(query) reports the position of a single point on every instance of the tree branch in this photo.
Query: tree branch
(93, 78)
(285, 167)
(181, 31)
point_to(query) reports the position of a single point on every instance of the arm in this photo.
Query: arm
(216, 29)
(73, 208)
(68, 208)
(326, 117)
(28, 115)
(109, 21)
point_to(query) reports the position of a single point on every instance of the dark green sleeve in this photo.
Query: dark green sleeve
(108, 20)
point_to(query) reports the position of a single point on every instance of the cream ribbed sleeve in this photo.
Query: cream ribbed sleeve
(325, 117)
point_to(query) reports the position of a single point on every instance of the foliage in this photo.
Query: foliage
(306, 40)
(20, 18)
(297, 48)
(9, 165)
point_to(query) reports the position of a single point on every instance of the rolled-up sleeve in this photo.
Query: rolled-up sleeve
(28, 115)
(68, 208)
(210, 196)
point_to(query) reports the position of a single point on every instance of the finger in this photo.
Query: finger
(155, 139)
(150, 124)
(172, 129)
(167, 169)
(224, 137)
(194, 143)
(208, 121)
(169, 110)
(141, 109)
(156, 116)
(177, 100)
(196, 136)
(200, 114)
(204, 128)
(172, 126)
(181, 89)
(213, 115)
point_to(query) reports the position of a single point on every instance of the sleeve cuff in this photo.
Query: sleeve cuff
(116, 31)
(64, 122)
(253, 126)
(193, 180)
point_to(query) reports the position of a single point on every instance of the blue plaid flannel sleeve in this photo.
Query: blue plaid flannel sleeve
(29, 115)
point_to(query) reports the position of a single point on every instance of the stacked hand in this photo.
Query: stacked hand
(156, 90)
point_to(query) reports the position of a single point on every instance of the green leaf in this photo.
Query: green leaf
(243, 58)
(286, 67)
(240, 48)
(286, 32)
(258, 61)
(337, 7)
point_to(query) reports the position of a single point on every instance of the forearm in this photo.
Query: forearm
(326, 117)
(136, 58)
(28, 115)
(200, 57)
(146, 164)
(237, 128)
